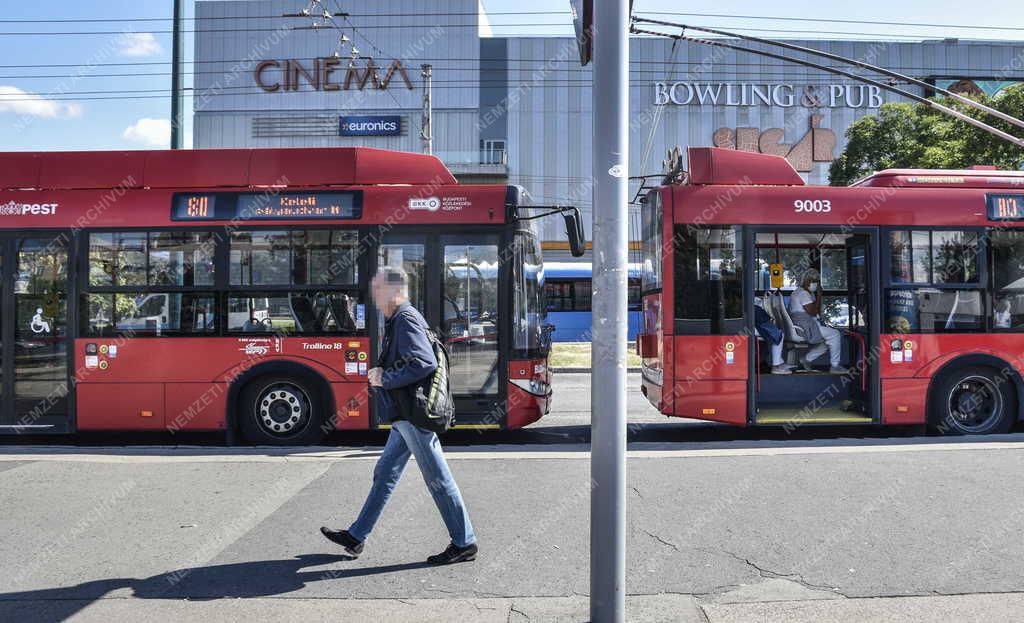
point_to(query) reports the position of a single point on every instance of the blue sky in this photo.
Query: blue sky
(54, 112)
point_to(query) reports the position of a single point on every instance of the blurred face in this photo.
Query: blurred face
(383, 293)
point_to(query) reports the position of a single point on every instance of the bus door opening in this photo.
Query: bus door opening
(811, 323)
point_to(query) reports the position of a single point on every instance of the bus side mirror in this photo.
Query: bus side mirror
(574, 230)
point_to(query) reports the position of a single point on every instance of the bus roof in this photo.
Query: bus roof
(930, 178)
(211, 168)
(717, 166)
(729, 187)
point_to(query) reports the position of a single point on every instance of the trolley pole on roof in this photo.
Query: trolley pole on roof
(177, 94)
(609, 318)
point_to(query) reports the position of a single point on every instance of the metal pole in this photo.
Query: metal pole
(427, 131)
(177, 95)
(608, 384)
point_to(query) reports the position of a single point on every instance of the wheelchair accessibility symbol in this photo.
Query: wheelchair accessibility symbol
(37, 324)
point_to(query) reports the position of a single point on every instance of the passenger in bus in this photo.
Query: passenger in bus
(406, 358)
(1003, 317)
(804, 307)
(766, 329)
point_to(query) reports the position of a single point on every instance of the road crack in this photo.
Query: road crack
(767, 573)
(662, 541)
(512, 609)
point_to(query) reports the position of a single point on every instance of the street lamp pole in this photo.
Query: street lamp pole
(177, 95)
(609, 319)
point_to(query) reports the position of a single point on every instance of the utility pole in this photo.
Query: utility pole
(177, 73)
(427, 131)
(608, 384)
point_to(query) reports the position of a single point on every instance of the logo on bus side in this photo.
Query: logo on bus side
(430, 204)
(13, 208)
(433, 204)
(259, 346)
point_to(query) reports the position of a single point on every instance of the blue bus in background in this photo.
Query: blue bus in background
(567, 288)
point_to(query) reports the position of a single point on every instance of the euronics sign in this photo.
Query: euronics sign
(371, 125)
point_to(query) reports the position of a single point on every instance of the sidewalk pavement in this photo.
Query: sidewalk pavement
(982, 608)
(834, 531)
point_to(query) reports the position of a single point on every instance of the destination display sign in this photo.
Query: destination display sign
(266, 206)
(1005, 207)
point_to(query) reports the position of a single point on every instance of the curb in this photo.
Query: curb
(587, 370)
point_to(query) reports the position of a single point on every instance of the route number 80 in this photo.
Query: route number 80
(812, 205)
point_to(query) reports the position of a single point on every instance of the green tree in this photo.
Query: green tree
(915, 136)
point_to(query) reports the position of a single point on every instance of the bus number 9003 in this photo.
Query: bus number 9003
(812, 205)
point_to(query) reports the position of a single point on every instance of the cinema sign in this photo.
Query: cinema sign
(781, 95)
(326, 74)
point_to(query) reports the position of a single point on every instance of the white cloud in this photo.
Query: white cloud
(149, 132)
(14, 100)
(138, 44)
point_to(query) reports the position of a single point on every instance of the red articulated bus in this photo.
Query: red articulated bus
(921, 280)
(228, 289)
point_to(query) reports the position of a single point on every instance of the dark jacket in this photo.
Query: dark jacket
(406, 357)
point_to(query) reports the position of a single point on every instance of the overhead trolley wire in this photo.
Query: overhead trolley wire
(780, 18)
(883, 85)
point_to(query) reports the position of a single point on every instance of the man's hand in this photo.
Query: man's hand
(375, 376)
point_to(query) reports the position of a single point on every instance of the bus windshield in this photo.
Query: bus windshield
(530, 310)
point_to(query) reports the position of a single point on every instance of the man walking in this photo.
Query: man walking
(406, 357)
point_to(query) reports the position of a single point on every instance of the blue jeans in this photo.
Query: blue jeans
(404, 441)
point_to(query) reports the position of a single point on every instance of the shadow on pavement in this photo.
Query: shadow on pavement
(263, 578)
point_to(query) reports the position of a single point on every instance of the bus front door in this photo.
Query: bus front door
(33, 334)
(453, 282)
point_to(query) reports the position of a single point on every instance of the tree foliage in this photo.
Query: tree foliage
(915, 136)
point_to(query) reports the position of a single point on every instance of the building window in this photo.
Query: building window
(492, 151)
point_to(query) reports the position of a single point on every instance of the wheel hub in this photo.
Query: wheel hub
(975, 403)
(283, 408)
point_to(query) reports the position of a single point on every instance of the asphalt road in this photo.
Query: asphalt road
(723, 525)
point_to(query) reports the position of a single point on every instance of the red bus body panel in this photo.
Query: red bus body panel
(525, 407)
(185, 380)
(726, 187)
(183, 383)
(711, 378)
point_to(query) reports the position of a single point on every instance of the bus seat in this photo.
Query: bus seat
(342, 312)
(303, 313)
(793, 333)
(794, 337)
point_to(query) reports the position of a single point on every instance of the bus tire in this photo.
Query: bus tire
(278, 410)
(973, 400)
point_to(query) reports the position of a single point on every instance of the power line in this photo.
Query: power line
(255, 90)
(524, 13)
(245, 17)
(723, 70)
(830, 21)
(529, 63)
(879, 35)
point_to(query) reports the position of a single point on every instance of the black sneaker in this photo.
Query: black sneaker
(352, 545)
(454, 554)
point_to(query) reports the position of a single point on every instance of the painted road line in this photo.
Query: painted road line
(553, 451)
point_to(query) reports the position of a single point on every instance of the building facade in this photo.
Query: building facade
(519, 108)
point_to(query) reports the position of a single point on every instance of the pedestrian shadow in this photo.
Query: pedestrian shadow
(262, 578)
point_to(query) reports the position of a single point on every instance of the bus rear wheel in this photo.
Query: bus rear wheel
(281, 411)
(974, 400)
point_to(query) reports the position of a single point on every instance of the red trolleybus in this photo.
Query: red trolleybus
(228, 289)
(920, 273)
